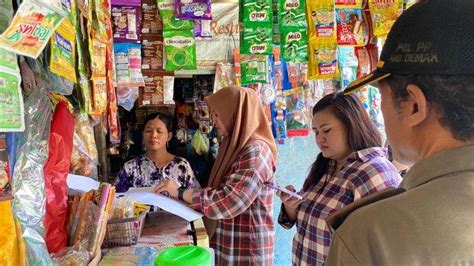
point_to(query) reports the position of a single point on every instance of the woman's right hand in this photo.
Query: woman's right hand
(290, 203)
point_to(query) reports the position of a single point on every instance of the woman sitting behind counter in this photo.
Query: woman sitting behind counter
(156, 164)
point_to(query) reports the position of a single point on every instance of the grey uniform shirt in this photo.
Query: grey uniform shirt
(430, 223)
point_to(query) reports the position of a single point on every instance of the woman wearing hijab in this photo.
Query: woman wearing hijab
(237, 203)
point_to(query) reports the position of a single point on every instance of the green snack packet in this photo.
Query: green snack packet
(254, 69)
(8, 59)
(257, 11)
(292, 13)
(294, 43)
(257, 38)
(170, 22)
(180, 50)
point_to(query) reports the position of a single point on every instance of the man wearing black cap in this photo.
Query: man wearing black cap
(426, 79)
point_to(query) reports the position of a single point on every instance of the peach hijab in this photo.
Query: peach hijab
(243, 116)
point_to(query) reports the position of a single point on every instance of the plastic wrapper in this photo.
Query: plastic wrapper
(254, 69)
(170, 23)
(200, 144)
(348, 3)
(151, 20)
(126, 97)
(294, 43)
(321, 19)
(83, 74)
(322, 61)
(28, 178)
(193, 9)
(256, 38)
(69, 7)
(98, 53)
(224, 77)
(152, 93)
(11, 101)
(384, 14)
(292, 13)
(63, 52)
(56, 170)
(6, 14)
(76, 255)
(84, 156)
(180, 49)
(127, 20)
(122, 208)
(99, 92)
(129, 256)
(8, 60)
(31, 28)
(349, 27)
(367, 57)
(168, 90)
(152, 51)
(11, 241)
(202, 28)
(257, 11)
(348, 64)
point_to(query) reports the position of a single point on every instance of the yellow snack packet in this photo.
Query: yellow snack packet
(348, 3)
(321, 19)
(322, 63)
(384, 13)
(63, 51)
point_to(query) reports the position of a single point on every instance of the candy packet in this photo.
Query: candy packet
(256, 38)
(292, 13)
(152, 52)
(294, 44)
(180, 50)
(126, 22)
(193, 9)
(322, 20)
(11, 101)
(170, 23)
(254, 69)
(349, 25)
(322, 59)
(257, 11)
(151, 20)
(31, 29)
(348, 64)
(63, 52)
(384, 14)
(348, 3)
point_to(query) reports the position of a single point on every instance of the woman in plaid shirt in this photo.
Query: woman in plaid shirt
(351, 165)
(237, 203)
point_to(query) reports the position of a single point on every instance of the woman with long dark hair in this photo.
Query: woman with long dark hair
(351, 165)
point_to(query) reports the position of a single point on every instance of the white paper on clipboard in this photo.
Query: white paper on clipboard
(147, 196)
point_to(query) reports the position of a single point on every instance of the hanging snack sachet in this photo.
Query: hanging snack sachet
(180, 50)
(322, 59)
(384, 15)
(257, 11)
(193, 9)
(63, 52)
(294, 44)
(31, 29)
(256, 38)
(349, 27)
(292, 13)
(254, 69)
(322, 20)
(170, 22)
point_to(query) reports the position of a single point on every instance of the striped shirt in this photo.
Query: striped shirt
(366, 171)
(243, 208)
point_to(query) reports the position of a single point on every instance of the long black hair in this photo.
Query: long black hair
(165, 118)
(362, 132)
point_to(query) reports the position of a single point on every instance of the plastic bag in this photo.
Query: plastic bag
(11, 241)
(56, 171)
(180, 48)
(126, 97)
(200, 144)
(84, 156)
(76, 255)
(28, 178)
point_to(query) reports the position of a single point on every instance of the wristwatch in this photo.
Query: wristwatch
(181, 193)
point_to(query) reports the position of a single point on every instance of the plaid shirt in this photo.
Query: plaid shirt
(366, 171)
(243, 208)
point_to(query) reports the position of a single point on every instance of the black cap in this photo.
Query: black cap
(433, 37)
